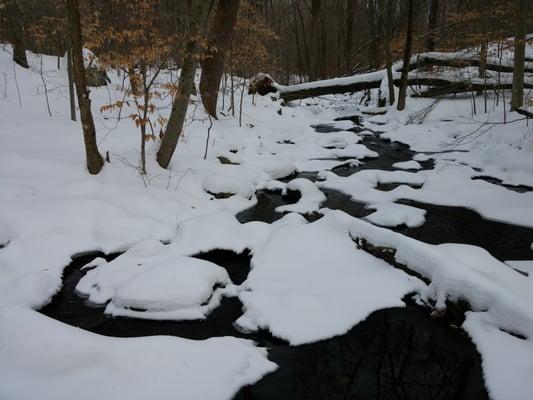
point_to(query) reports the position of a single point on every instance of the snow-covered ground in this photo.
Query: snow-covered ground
(308, 281)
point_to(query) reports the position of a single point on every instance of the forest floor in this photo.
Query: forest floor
(315, 252)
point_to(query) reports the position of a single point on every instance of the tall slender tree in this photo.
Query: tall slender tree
(433, 19)
(402, 94)
(94, 158)
(16, 28)
(517, 99)
(199, 11)
(213, 63)
(314, 40)
(71, 92)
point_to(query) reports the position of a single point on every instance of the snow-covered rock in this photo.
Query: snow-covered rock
(48, 359)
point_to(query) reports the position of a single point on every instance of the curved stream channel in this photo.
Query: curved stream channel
(398, 353)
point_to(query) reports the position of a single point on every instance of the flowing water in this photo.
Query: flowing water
(398, 353)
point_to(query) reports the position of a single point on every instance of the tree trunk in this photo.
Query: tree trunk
(134, 81)
(16, 26)
(94, 159)
(314, 41)
(406, 57)
(71, 92)
(199, 13)
(213, 65)
(387, 33)
(432, 24)
(304, 37)
(349, 34)
(519, 54)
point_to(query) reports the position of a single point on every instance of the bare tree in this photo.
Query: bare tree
(199, 11)
(432, 24)
(16, 28)
(213, 65)
(94, 158)
(71, 92)
(402, 94)
(519, 55)
(350, 9)
(314, 41)
(387, 25)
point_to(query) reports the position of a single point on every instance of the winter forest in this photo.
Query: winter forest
(266, 199)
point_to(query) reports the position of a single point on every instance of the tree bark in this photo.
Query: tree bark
(432, 24)
(387, 28)
(199, 13)
(349, 34)
(314, 41)
(16, 26)
(213, 65)
(406, 57)
(71, 92)
(94, 159)
(517, 98)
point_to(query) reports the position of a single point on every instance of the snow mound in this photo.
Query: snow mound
(393, 214)
(497, 348)
(40, 355)
(446, 185)
(310, 200)
(224, 184)
(179, 289)
(280, 169)
(407, 165)
(501, 300)
(164, 285)
(309, 282)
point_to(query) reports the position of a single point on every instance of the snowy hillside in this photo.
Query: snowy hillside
(310, 278)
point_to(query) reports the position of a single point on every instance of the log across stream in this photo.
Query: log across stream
(398, 353)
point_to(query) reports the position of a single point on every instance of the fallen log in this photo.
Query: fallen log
(461, 60)
(264, 84)
(446, 86)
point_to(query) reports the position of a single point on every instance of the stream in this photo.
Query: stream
(397, 353)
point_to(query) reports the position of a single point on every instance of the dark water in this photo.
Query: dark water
(67, 306)
(394, 354)
(399, 353)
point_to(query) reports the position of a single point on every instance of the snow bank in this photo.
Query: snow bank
(309, 282)
(407, 165)
(393, 214)
(155, 284)
(501, 324)
(310, 200)
(43, 357)
(447, 185)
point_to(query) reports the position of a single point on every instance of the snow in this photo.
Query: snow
(40, 356)
(227, 184)
(507, 361)
(310, 200)
(155, 285)
(447, 185)
(501, 300)
(421, 157)
(522, 265)
(343, 81)
(407, 165)
(309, 282)
(393, 214)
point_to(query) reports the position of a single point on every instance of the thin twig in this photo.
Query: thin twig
(17, 84)
(45, 87)
(208, 134)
